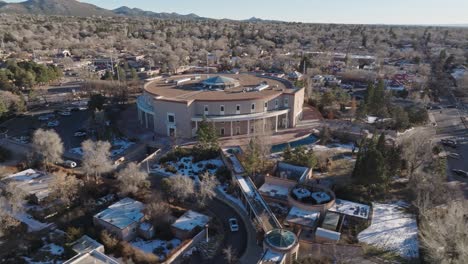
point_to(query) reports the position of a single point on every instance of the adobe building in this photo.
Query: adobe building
(237, 104)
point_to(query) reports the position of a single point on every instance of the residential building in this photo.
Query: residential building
(189, 224)
(237, 104)
(35, 184)
(121, 219)
(86, 244)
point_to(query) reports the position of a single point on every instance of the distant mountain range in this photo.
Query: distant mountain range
(76, 8)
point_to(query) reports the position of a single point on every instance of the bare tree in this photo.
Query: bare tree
(416, 149)
(230, 255)
(179, 187)
(7, 222)
(132, 179)
(158, 212)
(48, 145)
(207, 188)
(65, 188)
(444, 233)
(96, 157)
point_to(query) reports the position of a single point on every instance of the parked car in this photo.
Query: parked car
(80, 133)
(460, 173)
(454, 155)
(65, 113)
(69, 164)
(233, 225)
(448, 142)
(54, 123)
(46, 117)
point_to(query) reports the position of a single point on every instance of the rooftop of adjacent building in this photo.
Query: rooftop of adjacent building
(122, 213)
(218, 87)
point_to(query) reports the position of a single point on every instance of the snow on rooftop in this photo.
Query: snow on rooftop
(272, 257)
(351, 208)
(92, 257)
(328, 234)
(245, 186)
(123, 213)
(392, 229)
(33, 224)
(86, 244)
(146, 226)
(191, 219)
(273, 190)
(32, 182)
(303, 217)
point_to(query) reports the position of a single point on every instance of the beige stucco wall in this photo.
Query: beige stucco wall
(184, 111)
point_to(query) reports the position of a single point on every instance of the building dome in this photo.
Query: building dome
(220, 82)
(280, 239)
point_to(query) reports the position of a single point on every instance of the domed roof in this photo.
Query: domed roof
(221, 81)
(281, 239)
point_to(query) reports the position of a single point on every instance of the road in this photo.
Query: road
(450, 125)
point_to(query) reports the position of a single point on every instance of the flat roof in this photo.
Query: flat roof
(303, 217)
(351, 209)
(325, 233)
(85, 244)
(92, 257)
(190, 220)
(272, 257)
(274, 191)
(122, 213)
(32, 182)
(194, 89)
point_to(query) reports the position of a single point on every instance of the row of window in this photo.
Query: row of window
(252, 107)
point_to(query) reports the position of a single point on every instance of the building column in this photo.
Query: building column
(146, 120)
(231, 130)
(248, 127)
(263, 128)
(276, 123)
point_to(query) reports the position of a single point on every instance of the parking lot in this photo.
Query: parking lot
(21, 128)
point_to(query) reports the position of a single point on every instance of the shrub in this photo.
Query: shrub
(171, 169)
(210, 166)
(109, 241)
(182, 152)
(168, 158)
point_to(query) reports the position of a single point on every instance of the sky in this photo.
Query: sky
(315, 11)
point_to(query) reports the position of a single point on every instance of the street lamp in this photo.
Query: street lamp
(207, 238)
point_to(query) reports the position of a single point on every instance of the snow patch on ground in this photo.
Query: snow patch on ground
(186, 167)
(119, 146)
(230, 197)
(150, 245)
(392, 229)
(53, 249)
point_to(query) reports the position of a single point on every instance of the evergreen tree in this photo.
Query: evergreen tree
(207, 136)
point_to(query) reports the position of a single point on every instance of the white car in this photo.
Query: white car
(233, 225)
(69, 164)
(64, 113)
(53, 123)
(454, 155)
(80, 134)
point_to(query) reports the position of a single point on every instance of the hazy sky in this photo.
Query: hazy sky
(322, 11)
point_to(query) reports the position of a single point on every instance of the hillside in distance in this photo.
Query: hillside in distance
(76, 8)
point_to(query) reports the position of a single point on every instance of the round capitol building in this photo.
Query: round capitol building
(237, 104)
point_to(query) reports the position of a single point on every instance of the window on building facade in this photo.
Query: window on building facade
(171, 118)
(205, 110)
(237, 109)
